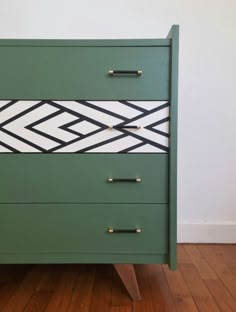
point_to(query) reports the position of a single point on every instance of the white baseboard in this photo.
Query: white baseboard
(211, 232)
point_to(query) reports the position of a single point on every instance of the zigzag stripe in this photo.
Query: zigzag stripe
(84, 126)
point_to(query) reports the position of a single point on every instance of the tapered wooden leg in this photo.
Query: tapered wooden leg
(127, 275)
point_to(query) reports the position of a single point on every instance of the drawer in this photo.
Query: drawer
(84, 126)
(73, 228)
(69, 73)
(83, 178)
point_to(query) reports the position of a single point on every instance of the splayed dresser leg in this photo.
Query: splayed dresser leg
(127, 275)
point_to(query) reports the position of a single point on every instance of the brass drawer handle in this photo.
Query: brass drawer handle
(125, 72)
(120, 231)
(125, 127)
(111, 180)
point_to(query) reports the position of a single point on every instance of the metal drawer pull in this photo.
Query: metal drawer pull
(123, 180)
(125, 127)
(125, 72)
(119, 231)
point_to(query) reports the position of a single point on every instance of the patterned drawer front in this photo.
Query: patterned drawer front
(84, 126)
(68, 73)
(36, 228)
(83, 178)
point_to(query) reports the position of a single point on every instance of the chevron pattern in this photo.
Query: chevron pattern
(84, 126)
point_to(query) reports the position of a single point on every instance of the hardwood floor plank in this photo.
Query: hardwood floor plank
(205, 270)
(182, 257)
(227, 252)
(146, 303)
(38, 301)
(217, 289)
(82, 293)
(61, 298)
(23, 293)
(220, 268)
(48, 284)
(101, 295)
(122, 309)
(205, 281)
(198, 289)
(10, 278)
(161, 296)
(182, 298)
(221, 295)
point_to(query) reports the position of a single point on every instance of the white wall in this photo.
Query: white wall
(207, 88)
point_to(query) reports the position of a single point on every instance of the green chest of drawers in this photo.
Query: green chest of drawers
(88, 150)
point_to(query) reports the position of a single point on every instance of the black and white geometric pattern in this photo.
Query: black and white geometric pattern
(84, 126)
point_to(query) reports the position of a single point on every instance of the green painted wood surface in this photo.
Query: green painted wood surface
(86, 42)
(72, 73)
(35, 228)
(66, 257)
(80, 178)
(174, 35)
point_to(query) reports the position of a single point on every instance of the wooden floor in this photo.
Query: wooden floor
(205, 281)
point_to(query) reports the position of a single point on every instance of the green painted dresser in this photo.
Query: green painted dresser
(88, 147)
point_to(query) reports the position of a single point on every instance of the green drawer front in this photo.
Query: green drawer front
(74, 228)
(82, 178)
(69, 73)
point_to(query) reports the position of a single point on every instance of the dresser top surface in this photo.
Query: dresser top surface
(85, 42)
